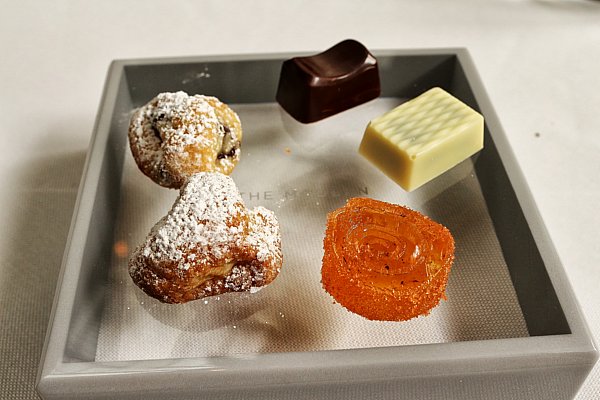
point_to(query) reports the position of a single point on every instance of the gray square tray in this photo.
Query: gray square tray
(550, 360)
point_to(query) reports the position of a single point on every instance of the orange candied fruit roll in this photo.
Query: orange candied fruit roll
(384, 261)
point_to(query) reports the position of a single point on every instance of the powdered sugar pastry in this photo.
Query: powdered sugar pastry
(176, 135)
(208, 244)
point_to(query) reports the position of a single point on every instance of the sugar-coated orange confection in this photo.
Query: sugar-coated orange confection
(384, 261)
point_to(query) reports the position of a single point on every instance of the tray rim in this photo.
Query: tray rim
(576, 348)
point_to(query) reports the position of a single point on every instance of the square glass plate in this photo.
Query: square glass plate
(510, 318)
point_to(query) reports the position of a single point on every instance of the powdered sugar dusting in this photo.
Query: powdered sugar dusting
(208, 244)
(200, 220)
(266, 238)
(171, 122)
(175, 135)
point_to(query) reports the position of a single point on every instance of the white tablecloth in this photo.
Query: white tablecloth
(539, 61)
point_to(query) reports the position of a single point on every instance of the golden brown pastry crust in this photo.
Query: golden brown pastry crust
(384, 261)
(176, 135)
(208, 244)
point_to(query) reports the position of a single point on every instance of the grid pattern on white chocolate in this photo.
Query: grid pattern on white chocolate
(425, 121)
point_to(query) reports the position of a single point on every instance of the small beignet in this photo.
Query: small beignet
(208, 244)
(176, 135)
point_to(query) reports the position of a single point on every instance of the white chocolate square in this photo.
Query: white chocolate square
(423, 138)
